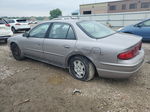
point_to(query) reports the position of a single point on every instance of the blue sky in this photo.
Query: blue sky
(40, 7)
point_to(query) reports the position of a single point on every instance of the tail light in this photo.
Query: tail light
(17, 24)
(131, 53)
(140, 45)
(8, 25)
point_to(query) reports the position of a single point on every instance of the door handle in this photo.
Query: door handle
(66, 46)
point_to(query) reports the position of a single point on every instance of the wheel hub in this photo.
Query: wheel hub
(79, 68)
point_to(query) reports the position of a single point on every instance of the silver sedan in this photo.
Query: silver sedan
(84, 47)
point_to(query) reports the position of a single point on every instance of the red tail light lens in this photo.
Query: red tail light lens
(17, 24)
(8, 25)
(131, 53)
(126, 55)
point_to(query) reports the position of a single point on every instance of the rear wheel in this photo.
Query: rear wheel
(16, 52)
(81, 68)
(13, 30)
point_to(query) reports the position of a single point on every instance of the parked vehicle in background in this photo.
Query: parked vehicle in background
(5, 30)
(32, 22)
(141, 29)
(19, 25)
(85, 47)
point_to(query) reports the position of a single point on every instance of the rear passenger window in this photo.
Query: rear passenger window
(61, 31)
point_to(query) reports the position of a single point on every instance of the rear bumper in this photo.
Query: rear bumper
(19, 28)
(5, 37)
(22, 29)
(108, 70)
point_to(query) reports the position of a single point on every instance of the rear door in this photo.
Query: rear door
(59, 42)
(33, 44)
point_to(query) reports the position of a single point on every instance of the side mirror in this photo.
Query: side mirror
(26, 34)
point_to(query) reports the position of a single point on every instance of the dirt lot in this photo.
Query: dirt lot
(31, 86)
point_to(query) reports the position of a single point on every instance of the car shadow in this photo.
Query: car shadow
(96, 79)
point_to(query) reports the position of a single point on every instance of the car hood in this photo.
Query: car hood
(130, 26)
(120, 40)
(125, 28)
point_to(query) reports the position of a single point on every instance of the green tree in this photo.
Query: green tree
(55, 13)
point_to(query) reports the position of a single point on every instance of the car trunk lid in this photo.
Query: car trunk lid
(117, 44)
(121, 40)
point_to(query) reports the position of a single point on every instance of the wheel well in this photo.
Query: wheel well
(81, 56)
(12, 44)
(13, 27)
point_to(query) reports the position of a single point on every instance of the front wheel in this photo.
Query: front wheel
(81, 68)
(16, 52)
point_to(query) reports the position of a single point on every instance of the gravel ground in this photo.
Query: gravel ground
(31, 86)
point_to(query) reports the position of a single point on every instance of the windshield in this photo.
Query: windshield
(95, 29)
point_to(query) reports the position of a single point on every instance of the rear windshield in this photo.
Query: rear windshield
(95, 29)
(21, 21)
(2, 21)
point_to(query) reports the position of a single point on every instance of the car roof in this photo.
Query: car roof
(70, 21)
(65, 21)
(17, 19)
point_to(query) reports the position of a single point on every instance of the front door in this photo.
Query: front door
(33, 44)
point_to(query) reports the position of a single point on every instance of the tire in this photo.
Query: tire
(81, 68)
(13, 30)
(16, 52)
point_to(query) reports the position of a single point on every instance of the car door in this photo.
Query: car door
(59, 42)
(143, 29)
(33, 44)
